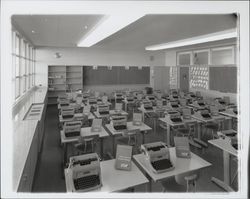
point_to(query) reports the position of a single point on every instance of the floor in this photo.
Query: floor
(49, 176)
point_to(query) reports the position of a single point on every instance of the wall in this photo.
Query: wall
(83, 56)
(170, 60)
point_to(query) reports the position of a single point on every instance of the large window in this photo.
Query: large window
(23, 65)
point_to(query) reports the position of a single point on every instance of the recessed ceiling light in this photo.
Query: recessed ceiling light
(107, 26)
(33, 31)
(216, 36)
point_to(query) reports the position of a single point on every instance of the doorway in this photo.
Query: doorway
(184, 79)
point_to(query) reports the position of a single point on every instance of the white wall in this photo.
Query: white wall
(170, 60)
(83, 56)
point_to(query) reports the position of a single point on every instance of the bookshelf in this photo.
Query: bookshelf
(63, 79)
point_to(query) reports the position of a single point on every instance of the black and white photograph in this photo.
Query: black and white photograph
(124, 99)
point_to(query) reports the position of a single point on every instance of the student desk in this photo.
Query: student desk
(181, 165)
(202, 121)
(228, 150)
(76, 115)
(232, 115)
(112, 180)
(170, 123)
(84, 132)
(143, 128)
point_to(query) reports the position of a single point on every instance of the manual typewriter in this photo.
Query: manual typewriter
(173, 104)
(103, 109)
(130, 99)
(176, 118)
(232, 111)
(68, 113)
(86, 172)
(203, 114)
(147, 105)
(201, 103)
(158, 156)
(72, 129)
(150, 97)
(92, 101)
(119, 123)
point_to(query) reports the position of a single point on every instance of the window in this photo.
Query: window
(201, 57)
(23, 65)
(223, 55)
(184, 58)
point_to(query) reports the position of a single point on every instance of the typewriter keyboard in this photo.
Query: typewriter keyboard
(85, 162)
(86, 182)
(72, 134)
(176, 120)
(207, 116)
(120, 127)
(104, 113)
(67, 116)
(162, 164)
(201, 104)
(148, 108)
(175, 106)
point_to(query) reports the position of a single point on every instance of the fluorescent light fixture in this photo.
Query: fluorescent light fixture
(231, 33)
(140, 67)
(94, 67)
(126, 67)
(107, 26)
(109, 67)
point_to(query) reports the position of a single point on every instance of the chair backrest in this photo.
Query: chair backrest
(128, 133)
(183, 102)
(89, 138)
(72, 123)
(180, 179)
(214, 110)
(105, 99)
(226, 99)
(186, 113)
(118, 106)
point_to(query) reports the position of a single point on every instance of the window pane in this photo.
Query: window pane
(201, 57)
(17, 89)
(13, 42)
(22, 67)
(184, 59)
(13, 67)
(17, 44)
(22, 84)
(22, 48)
(222, 56)
(17, 66)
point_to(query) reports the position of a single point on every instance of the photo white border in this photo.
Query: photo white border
(8, 8)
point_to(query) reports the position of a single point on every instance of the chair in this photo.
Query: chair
(183, 182)
(83, 143)
(213, 126)
(129, 137)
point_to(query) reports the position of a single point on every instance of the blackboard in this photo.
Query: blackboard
(223, 79)
(117, 75)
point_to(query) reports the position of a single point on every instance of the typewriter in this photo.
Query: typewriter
(72, 129)
(158, 156)
(96, 125)
(137, 119)
(150, 97)
(173, 104)
(119, 122)
(176, 118)
(103, 109)
(182, 148)
(203, 114)
(201, 103)
(92, 101)
(147, 105)
(130, 99)
(68, 113)
(86, 172)
(229, 136)
(221, 101)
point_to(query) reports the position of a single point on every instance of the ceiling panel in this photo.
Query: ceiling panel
(67, 30)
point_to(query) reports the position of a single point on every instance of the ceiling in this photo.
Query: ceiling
(67, 30)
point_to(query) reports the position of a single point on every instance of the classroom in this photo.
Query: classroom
(105, 101)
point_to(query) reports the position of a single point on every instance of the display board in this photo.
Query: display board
(117, 75)
(223, 79)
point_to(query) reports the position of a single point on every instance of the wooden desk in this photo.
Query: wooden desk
(227, 151)
(181, 165)
(84, 132)
(143, 128)
(170, 123)
(112, 180)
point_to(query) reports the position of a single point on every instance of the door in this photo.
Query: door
(184, 79)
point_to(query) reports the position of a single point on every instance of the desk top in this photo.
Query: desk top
(171, 123)
(113, 180)
(233, 115)
(84, 132)
(224, 145)
(90, 117)
(130, 126)
(217, 117)
(182, 165)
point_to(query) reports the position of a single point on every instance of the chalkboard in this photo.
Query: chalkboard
(223, 79)
(117, 75)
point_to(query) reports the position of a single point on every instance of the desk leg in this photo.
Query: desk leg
(168, 135)
(65, 151)
(143, 136)
(198, 139)
(226, 183)
(113, 146)
(149, 185)
(101, 148)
